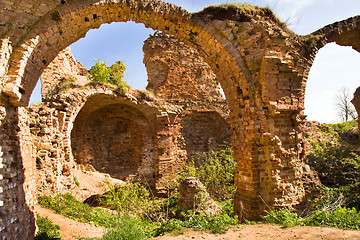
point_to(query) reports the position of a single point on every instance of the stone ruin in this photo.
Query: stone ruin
(356, 102)
(260, 64)
(146, 135)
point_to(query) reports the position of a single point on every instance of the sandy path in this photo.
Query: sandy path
(70, 229)
(270, 232)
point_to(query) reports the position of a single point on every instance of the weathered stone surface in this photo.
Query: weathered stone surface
(176, 70)
(18, 188)
(356, 102)
(62, 73)
(194, 197)
(261, 66)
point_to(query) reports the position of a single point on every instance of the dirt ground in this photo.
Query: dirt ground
(70, 229)
(270, 232)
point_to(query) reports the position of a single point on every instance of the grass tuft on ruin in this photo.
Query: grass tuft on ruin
(101, 75)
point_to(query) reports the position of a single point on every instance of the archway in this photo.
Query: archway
(53, 33)
(261, 67)
(113, 136)
(334, 69)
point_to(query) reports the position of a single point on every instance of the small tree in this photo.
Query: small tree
(346, 110)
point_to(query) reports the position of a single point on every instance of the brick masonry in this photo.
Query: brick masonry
(356, 102)
(261, 66)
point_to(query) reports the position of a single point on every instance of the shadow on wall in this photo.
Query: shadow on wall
(112, 139)
(204, 132)
(18, 201)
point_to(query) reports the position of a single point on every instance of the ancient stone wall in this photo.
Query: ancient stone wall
(62, 73)
(17, 185)
(248, 49)
(356, 102)
(176, 70)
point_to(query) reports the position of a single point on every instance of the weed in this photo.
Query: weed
(76, 182)
(340, 217)
(101, 75)
(47, 230)
(67, 84)
(127, 228)
(216, 171)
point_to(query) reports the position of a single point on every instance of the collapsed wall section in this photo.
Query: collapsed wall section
(176, 70)
(62, 73)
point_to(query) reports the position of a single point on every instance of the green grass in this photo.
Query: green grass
(335, 156)
(344, 126)
(68, 206)
(341, 217)
(47, 230)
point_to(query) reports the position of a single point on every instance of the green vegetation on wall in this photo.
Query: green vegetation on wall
(101, 75)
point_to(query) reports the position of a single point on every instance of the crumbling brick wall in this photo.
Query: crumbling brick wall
(247, 48)
(177, 71)
(356, 102)
(110, 134)
(17, 184)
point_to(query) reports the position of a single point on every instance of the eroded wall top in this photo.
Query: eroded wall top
(64, 69)
(176, 70)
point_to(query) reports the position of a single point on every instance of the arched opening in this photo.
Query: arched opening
(334, 68)
(113, 138)
(238, 71)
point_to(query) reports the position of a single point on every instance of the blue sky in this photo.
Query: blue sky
(335, 67)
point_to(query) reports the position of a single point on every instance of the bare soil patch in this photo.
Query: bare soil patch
(70, 229)
(267, 232)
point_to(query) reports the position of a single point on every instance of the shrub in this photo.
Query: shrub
(216, 171)
(47, 230)
(126, 228)
(101, 75)
(335, 156)
(132, 198)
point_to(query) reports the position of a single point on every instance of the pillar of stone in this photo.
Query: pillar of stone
(356, 102)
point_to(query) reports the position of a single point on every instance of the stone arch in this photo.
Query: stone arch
(260, 64)
(205, 31)
(343, 33)
(113, 137)
(52, 34)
